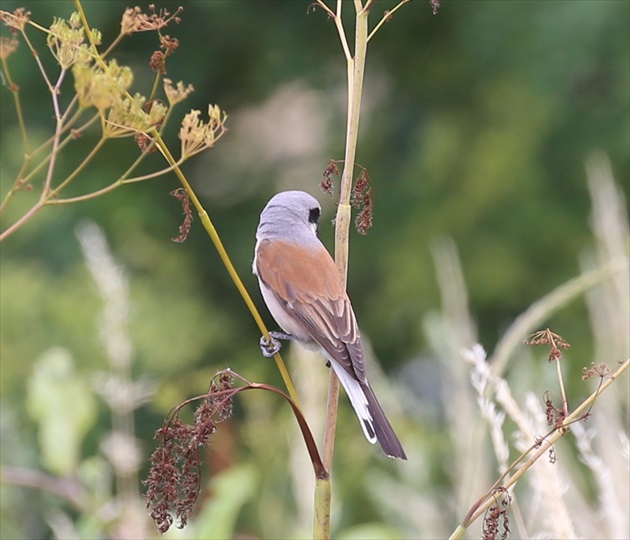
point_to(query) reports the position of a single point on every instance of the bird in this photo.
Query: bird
(304, 293)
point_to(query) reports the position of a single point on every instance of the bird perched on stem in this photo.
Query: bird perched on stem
(306, 296)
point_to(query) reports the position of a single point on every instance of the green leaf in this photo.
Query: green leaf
(230, 491)
(64, 407)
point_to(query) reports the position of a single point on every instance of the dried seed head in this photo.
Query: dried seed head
(169, 44)
(157, 63)
(602, 371)
(17, 19)
(547, 337)
(133, 20)
(8, 46)
(176, 94)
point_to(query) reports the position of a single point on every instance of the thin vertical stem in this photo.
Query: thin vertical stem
(355, 71)
(227, 262)
(54, 91)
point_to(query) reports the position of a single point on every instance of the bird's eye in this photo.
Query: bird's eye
(313, 215)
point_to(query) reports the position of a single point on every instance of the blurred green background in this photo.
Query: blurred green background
(476, 126)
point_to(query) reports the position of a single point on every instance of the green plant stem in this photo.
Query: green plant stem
(124, 179)
(386, 17)
(355, 71)
(36, 54)
(565, 401)
(156, 85)
(88, 33)
(21, 179)
(480, 507)
(113, 45)
(101, 142)
(28, 215)
(216, 240)
(67, 126)
(115, 185)
(56, 136)
(321, 519)
(15, 91)
(49, 194)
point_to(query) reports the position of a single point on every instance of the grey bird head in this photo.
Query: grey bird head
(290, 216)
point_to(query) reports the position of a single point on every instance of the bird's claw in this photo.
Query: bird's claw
(269, 347)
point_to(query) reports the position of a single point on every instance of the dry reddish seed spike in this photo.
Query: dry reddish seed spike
(363, 221)
(496, 517)
(361, 198)
(184, 228)
(327, 184)
(174, 480)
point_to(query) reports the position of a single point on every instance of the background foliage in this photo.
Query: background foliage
(476, 127)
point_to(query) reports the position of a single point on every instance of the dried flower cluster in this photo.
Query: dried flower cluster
(105, 85)
(158, 59)
(8, 46)
(174, 480)
(547, 337)
(16, 20)
(601, 371)
(106, 89)
(134, 20)
(496, 522)
(197, 135)
(362, 199)
(101, 87)
(66, 41)
(132, 115)
(177, 93)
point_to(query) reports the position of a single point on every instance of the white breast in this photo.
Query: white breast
(285, 319)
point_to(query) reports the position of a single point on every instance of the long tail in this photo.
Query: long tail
(375, 425)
